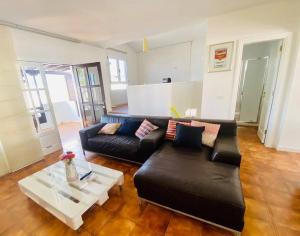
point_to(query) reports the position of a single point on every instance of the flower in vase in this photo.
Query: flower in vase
(67, 157)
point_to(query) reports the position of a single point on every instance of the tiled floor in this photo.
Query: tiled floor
(271, 183)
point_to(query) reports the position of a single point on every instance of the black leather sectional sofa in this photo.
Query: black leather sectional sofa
(204, 184)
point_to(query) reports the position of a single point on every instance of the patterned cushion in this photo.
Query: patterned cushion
(210, 133)
(110, 128)
(171, 131)
(145, 128)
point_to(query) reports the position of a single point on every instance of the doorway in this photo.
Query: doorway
(62, 92)
(260, 65)
(61, 103)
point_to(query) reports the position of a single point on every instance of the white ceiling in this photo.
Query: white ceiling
(180, 35)
(112, 22)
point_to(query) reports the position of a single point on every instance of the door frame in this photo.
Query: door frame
(98, 65)
(278, 106)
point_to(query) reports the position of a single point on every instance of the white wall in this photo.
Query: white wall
(118, 97)
(290, 125)
(4, 166)
(65, 111)
(18, 139)
(150, 99)
(157, 99)
(172, 61)
(187, 95)
(198, 52)
(220, 89)
(181, 62)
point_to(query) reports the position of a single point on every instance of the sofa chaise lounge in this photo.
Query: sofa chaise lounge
(204, 184)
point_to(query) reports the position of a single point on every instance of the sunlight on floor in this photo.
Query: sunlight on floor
(69, 134)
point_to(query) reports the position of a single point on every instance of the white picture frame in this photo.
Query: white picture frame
(220, 57)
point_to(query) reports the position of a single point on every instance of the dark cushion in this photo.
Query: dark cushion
(226, 150)
(188, 136)
(129, 127)
(115, 145)
(186, 180)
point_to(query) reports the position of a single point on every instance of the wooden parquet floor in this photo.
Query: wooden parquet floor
(271, 185)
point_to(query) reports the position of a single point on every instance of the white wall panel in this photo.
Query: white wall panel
(20, 146)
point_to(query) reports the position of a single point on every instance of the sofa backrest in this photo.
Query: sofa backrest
(228, 127)
(161, 122)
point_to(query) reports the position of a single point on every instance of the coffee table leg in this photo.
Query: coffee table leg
(103, 198)
(74, 223)
(120, 188)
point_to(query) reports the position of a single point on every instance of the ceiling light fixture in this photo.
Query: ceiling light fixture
(145, 45)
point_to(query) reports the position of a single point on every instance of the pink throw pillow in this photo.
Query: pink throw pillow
(145, 128)
(210, 133)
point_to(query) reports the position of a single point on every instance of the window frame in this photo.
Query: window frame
(119, 81)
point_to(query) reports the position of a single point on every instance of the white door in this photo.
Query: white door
(38, 102)
(268, 93)
(252, 88)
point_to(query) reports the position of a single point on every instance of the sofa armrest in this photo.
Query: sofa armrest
(152, 140)
(89, 132)
(226, 150)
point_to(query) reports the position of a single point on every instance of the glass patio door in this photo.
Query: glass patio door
(38, 103)
(90, 91)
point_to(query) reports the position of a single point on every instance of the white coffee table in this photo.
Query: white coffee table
(68, 202)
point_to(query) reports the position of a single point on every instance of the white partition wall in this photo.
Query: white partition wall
(150, 100)
(20, 144)
(158, 99)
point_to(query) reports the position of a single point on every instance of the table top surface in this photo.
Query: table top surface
(50, 187)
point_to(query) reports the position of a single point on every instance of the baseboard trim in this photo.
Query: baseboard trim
(245, 124)
(119, 105)
(288, 149)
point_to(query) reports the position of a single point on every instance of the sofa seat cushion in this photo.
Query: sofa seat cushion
(185, 179)
(115, 145)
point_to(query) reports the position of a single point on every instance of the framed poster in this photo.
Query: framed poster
(220, 56)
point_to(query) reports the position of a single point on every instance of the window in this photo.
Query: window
(118, 74)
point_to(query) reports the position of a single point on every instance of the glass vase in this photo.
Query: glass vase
(71, 172)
